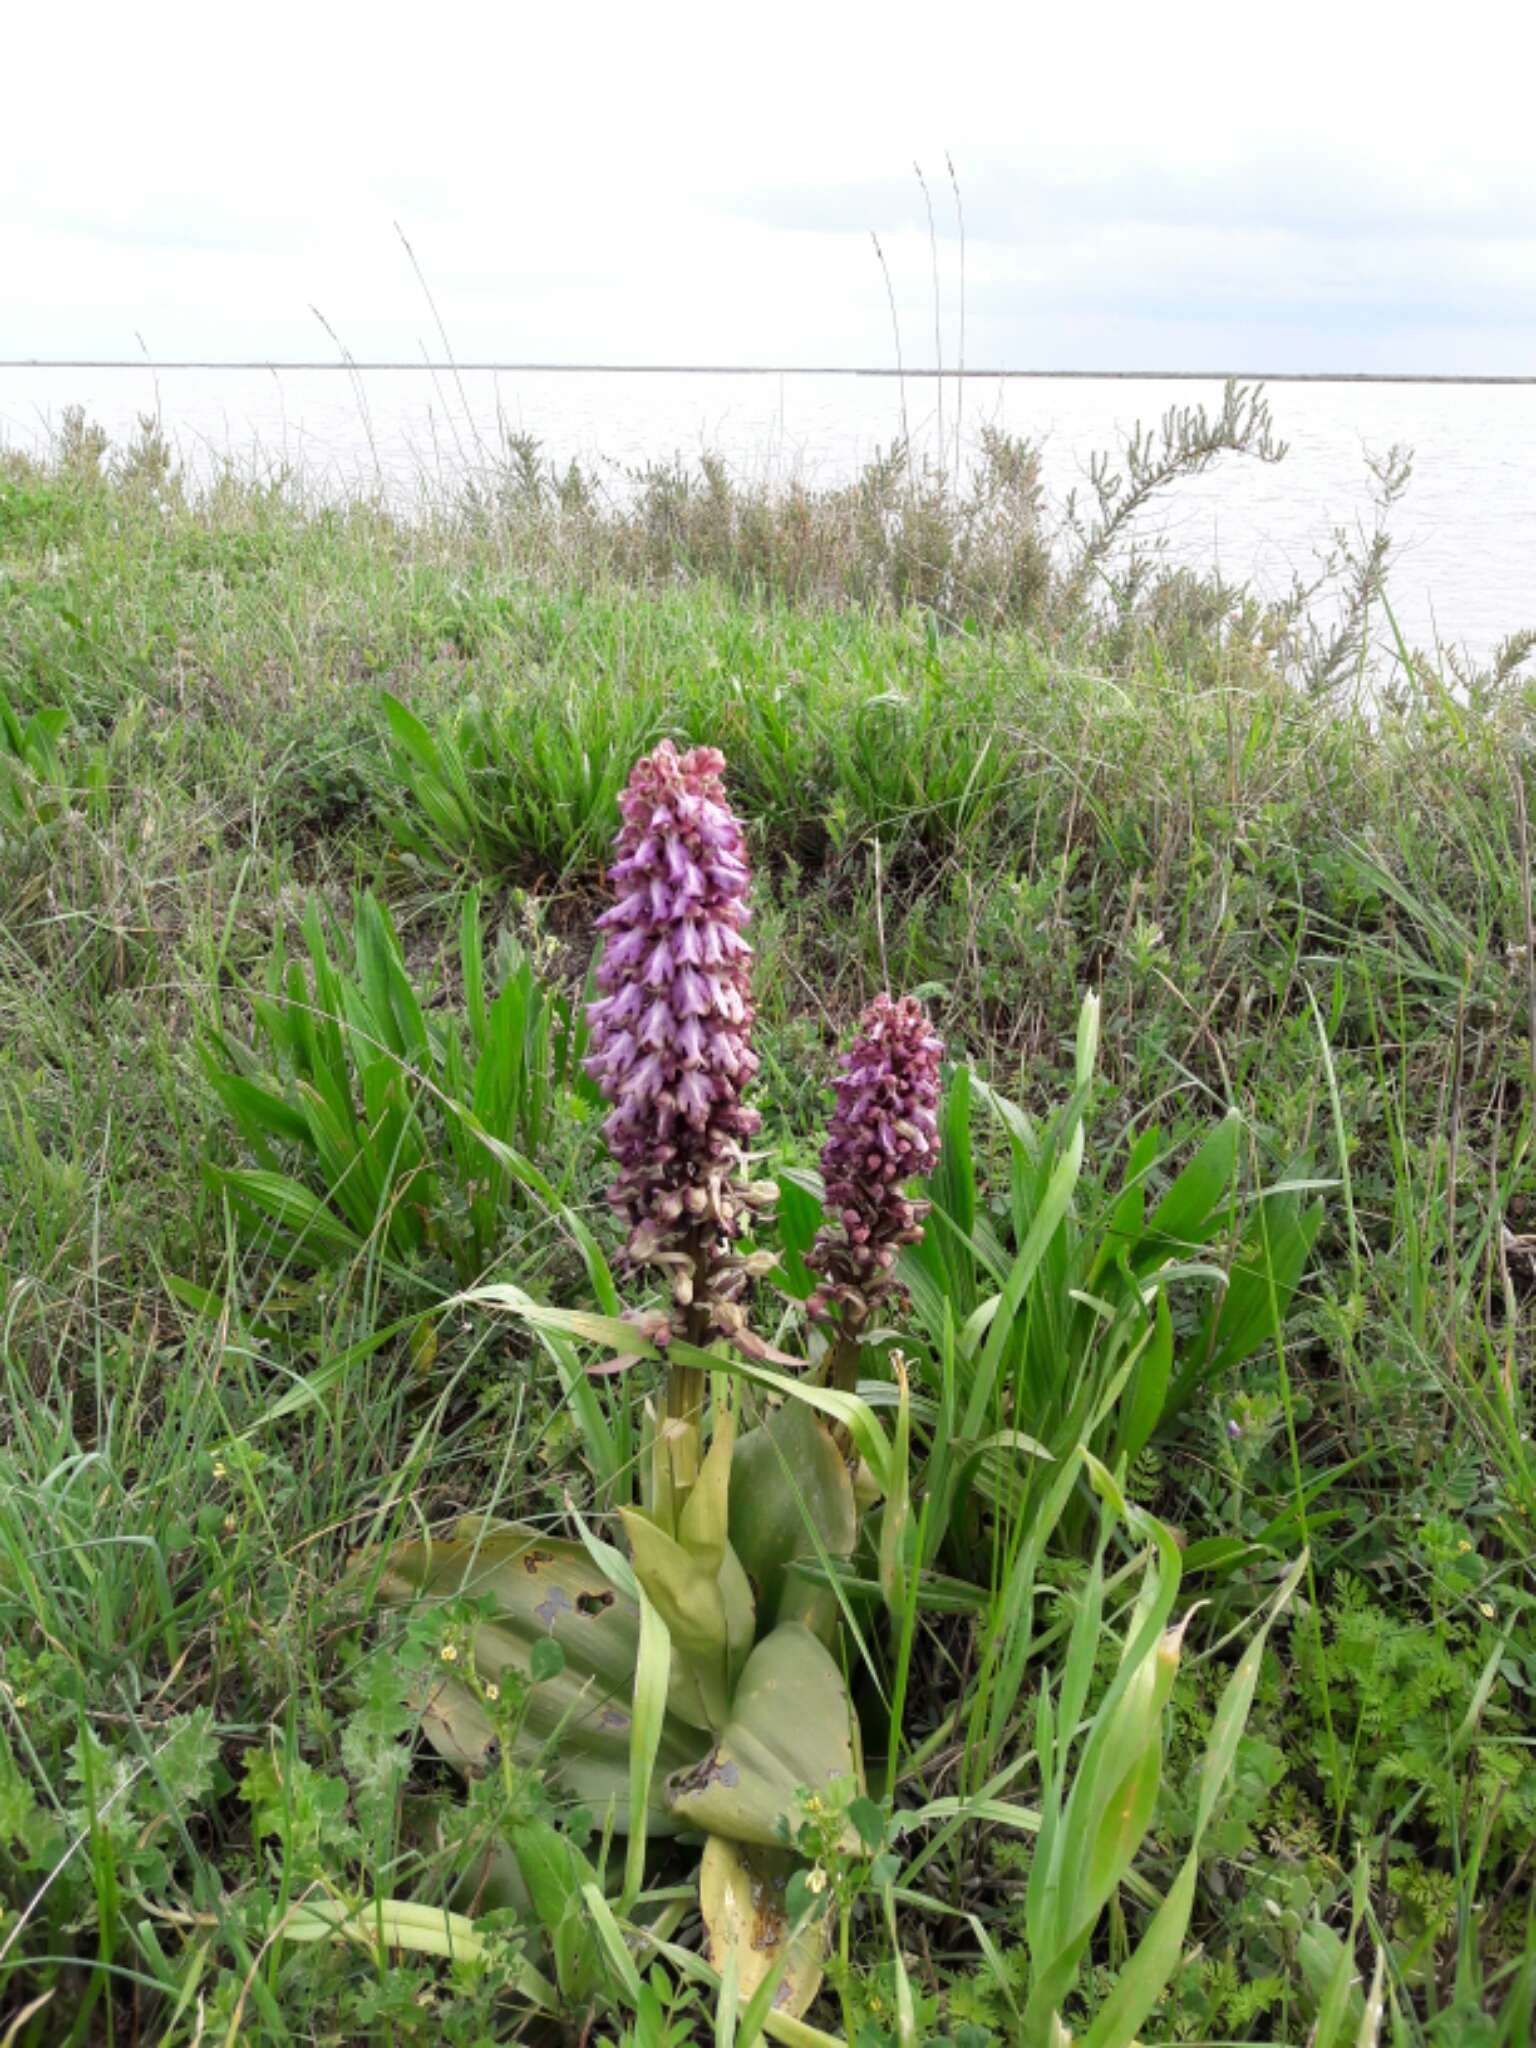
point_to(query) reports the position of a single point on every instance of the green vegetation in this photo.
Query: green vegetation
(303, 812)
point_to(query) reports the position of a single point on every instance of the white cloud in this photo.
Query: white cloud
(1173, 186)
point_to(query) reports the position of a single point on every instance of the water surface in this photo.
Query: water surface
(1466, 532)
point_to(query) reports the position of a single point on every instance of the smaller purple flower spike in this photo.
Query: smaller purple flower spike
(671, 1031)
(883, 1133)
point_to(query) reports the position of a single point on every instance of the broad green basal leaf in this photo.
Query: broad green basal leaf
(741, 1895)
(541, 1588)
(790, 1730)
(791, 1497)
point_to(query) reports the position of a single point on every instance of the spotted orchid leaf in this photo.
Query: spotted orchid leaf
(538, 1589)
(790, 1732)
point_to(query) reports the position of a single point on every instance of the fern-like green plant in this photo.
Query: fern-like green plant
(368, 1114)
(515, 788)
(41, 779)
(1073, 1318)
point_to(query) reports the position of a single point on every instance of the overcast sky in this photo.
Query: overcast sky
(1316, 187)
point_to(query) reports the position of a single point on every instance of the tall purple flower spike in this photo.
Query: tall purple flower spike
(670, 1032)
(883, 1133)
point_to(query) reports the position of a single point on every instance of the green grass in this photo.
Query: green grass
(238, 726)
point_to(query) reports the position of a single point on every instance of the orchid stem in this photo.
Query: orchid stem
(843, 1374)
(843, 1363)
(685, 1383)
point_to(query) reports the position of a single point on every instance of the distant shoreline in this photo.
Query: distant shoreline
(793, 370)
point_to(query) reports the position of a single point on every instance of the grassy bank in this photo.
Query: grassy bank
(251, 740)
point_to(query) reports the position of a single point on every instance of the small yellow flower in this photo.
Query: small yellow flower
(493, 1692)
(816, 1879)
(1463, 1544)
(220, 1470)
(449, 1653)
(1487, 1608)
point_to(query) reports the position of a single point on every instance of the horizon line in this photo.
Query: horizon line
(783, 370)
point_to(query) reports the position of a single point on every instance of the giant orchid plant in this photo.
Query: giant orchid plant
(692, 1684)
(699, 1690)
